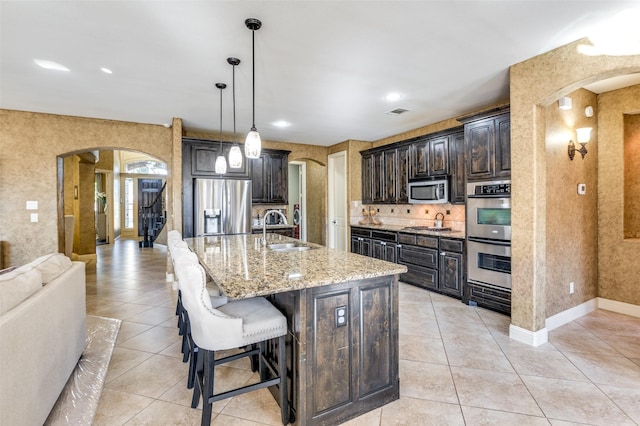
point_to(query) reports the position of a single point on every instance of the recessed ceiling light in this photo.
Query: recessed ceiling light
(106, 70)
(281, 123)
(393, 96)
(50, 65)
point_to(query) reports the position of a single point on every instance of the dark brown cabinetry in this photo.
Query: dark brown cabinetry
(458, 169)
(203, 156)
(385, 175)
(488, 145)
(430, 157)
(269, 175)
(451, 267)
(433, 262)
(383, 245)
(361, 241)
(346, 368)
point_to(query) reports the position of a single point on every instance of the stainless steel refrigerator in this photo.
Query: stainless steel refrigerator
(222, 206)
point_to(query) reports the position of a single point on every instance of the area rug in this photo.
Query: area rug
(79, 399)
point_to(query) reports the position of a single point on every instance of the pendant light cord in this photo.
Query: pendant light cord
(234, 103)
(221, 119)
(253, 77)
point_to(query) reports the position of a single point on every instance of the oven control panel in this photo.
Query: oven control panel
(502, 188)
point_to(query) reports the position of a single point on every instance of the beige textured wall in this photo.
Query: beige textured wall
(30, 145)
(572, 219)
(535, 84)
(618, 265)
(632, 175)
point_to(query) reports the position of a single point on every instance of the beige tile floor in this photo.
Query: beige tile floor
(457, 364)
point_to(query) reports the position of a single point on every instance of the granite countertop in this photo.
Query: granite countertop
(244, 268)
(402, 228)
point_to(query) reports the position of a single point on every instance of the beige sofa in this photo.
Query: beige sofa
(42, 335)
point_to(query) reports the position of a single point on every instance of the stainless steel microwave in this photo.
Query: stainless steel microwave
(429, 191)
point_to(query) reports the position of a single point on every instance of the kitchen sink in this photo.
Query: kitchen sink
(287, 247)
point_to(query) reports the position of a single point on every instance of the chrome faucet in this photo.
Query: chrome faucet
(264, 223)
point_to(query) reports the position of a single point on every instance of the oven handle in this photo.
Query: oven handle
(490, 196)
(487, 241)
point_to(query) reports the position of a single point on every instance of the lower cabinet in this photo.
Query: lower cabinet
(434, 263)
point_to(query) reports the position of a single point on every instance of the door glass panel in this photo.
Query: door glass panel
(128, 203)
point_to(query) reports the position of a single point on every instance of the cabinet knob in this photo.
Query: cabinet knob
(442, 253)
(334, 222)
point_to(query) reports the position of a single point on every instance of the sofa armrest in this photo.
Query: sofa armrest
(41, 341)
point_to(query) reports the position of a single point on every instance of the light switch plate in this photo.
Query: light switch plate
(582, 188)
(34, 217)
(32, 205)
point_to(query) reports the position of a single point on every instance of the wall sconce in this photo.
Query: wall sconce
(584, 135)
(564, 103)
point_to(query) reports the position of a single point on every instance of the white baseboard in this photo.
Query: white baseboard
(619, 307)
(537, 338)
(531, 338)
(565, 317)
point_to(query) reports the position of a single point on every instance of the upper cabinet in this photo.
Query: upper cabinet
(385, 175)
(429, 157)
(488, 145)
(203, 154)
(457, 188)
(269, 176)
(386, 170)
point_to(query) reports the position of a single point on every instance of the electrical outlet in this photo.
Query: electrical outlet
(341, 316)
(571, 287)
(426, 211)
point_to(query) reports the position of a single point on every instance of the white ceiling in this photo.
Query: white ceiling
(323, 66)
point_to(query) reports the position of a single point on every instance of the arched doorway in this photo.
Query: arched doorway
(108, 194)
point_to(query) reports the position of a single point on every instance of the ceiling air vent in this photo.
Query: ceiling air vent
(397, 111)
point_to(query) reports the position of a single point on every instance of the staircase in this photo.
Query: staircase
(152, 218)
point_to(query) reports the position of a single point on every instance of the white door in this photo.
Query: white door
(337, 208)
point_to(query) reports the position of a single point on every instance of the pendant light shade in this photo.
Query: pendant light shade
(221, 162)
(253, 143)
(235, 155)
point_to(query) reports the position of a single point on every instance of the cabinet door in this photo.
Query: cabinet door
(259, 179)
(390, 252)
(419, 158)
(402, 175)
(479, 140)
(377, 175)
(503, 146)
(439, 156)
(279, 168)
(203, 159)
(367, 179)
(451, 273)
(458, 172)
(389, 176)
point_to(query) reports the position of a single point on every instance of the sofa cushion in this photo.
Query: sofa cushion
(50, 266)
(17, 285)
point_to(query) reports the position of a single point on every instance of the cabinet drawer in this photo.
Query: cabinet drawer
(451, 245)
(427, 258)
(360, 232)
(384, 236)
(426, 241)
(407, 238)
(422, 277)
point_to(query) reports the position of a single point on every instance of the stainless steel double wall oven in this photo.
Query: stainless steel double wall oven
(489, 244)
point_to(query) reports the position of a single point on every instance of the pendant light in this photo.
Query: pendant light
(252, 144)
(235, 155)
(221, 162)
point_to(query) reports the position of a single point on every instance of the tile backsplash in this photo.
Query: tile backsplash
(410, 214)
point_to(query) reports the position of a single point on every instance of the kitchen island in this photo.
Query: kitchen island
(342, 314)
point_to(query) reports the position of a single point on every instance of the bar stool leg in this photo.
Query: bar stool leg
(207, 391)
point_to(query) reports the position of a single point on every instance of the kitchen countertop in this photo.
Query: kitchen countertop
(402, 228)
(244, 268)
